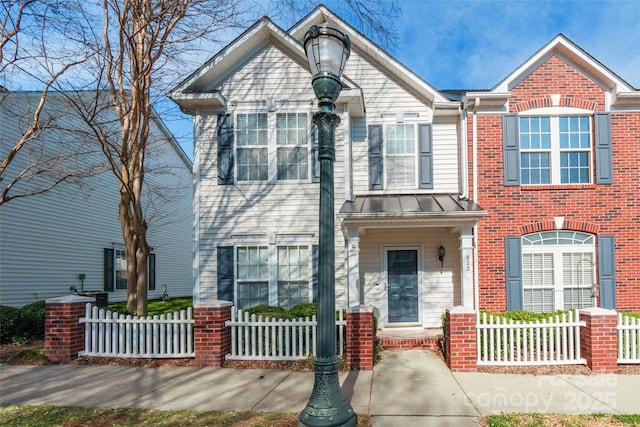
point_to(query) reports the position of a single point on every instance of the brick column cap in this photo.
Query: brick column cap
(360, 309)
(460, 309)
(597, 311)
(216, 303)
(69, 299)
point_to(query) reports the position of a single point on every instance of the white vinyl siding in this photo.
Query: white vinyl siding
(49, 239)
(558, 270)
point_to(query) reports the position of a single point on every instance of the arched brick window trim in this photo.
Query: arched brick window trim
(565, 101)
(536, 227)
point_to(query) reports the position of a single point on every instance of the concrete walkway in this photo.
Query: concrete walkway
(412, 387)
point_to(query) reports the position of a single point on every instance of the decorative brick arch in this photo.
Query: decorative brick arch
(536, 227)
(565, 101)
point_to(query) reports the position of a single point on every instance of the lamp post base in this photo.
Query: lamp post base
(327, 405)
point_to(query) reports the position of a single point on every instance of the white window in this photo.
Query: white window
(558, 270)
(253, 276)
(277, 274)
(273, 146)
(293, 275)
(400, 150)
(120, 268)
(555, 150)
(252, 141)
(293, 146)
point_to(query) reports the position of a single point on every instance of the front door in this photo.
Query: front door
(402, 276)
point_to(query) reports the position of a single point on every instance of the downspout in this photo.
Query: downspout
(474, 169)
(196, 206)
(464, 158)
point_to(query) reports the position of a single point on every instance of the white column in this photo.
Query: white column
(353, 263)
(466, 267)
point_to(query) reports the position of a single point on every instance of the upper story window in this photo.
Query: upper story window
(293, 146)
(252, 141)
(272, 146)
(400, 150)
(555, 150)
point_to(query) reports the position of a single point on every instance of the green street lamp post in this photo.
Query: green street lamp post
(327, 51)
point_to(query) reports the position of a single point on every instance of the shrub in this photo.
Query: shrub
(304, 310)
(21, 324)
(268, 311)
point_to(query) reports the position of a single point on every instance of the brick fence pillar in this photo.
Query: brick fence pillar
(599, 339)
(360, 337)
(63, 332)
(460, 339)
(212, 339)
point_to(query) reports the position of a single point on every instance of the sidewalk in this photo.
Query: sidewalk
(406, 388)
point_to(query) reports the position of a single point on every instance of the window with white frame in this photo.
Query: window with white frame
(400, 150)
(558, 270)
(293, 146)
(273, 146)
(252, 266)
(252, 141)
(555, 149)
(115, 270)
(274, 274)
(293, 275)
(120, 269)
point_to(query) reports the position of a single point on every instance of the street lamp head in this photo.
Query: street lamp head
(327, 51)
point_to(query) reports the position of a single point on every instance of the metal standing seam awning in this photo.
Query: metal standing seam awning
(425, 209)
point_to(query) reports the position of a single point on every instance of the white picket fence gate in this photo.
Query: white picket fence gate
(109, 334)
(553, 341)
(257, 338)
(628, 339)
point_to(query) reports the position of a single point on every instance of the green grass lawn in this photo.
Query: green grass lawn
(543, 420)
(157, 306)
(35, 416)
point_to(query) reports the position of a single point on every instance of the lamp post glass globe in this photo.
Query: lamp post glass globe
(327, 51)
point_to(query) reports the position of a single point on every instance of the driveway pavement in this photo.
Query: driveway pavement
(412, 387)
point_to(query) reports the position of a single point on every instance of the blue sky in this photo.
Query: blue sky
(475, 44)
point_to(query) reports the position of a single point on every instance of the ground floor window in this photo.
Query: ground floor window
(115, 270)
(276, 275)
(558, 270)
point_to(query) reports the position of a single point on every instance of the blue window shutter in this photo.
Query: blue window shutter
(225, 273)
(225, 149)
(511, 149)
(604, 166)
(607, 272)
(315, 162)
(109, 270)
(151, 276)
(315, 250)
(426, 155)
(513, 253)
(376, 172)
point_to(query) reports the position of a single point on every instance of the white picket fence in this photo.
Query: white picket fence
(553, 341)
(257, 338)
(109, 334)
(628, 339)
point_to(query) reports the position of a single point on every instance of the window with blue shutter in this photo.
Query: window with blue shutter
(511, 149)
(315, 251)
(513, 255)
(604, 167)
(426, 156)
(376, 171)
(607, 272)
(225, 149)
(109, 269)
(225, 273)
(151, 274)
(315, 162)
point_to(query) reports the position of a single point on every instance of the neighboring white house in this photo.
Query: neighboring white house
(70, 237)
(400, 180)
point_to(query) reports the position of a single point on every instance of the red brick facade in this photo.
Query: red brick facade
(599, 339)
(360, 338)
(64, 334)
(598, 209)
(460, 340)
(212, 339)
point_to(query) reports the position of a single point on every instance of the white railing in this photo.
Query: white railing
(628, 339)
(553, 341)
(257, 338)
(108, 334)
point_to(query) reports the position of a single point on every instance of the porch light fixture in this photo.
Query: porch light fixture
(441, 253)
(327, 50)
